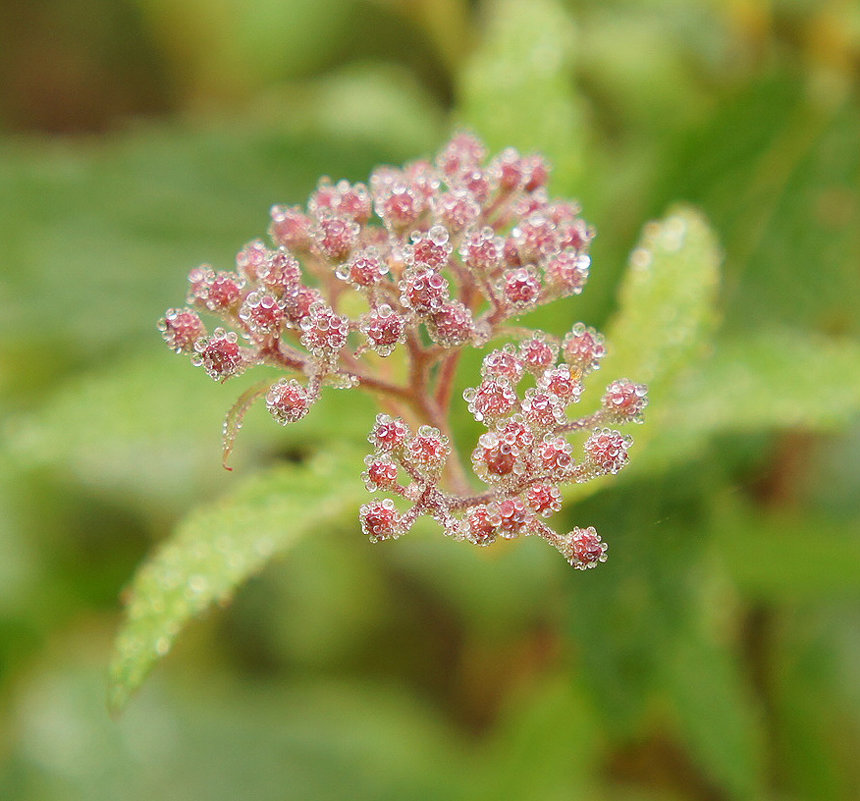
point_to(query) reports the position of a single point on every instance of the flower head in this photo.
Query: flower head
(381, 286)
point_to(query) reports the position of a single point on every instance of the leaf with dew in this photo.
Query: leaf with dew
(218, 547)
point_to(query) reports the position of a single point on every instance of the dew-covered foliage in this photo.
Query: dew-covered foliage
(249, 638)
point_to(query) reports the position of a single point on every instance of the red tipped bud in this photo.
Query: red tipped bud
(388, 433)
(583, 548)
(481, 524)
(625, 400)
(583, 348)
(181, 328)
(219, 355)
(537, 353)
(384, 329)
(491, 399)
(607, 450)
(288, 401)
(380, 521)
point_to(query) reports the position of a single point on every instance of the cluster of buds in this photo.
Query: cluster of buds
(380, 287)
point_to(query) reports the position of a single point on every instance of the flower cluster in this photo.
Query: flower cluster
(395, 278)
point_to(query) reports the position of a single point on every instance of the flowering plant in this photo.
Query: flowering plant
(423, 262)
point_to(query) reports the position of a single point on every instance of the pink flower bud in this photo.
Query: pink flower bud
(481, 524)
(280, 273)
(514, 515)
(431, 249)
(553, 456)
(537, 353)
(451, 325)
(510, 169)
(478, 183)
(384, 329)
(482, 251)
(181, 328)
(542, 410)
(456, 209)
(381, 473)
(288, 401)
(251, 258)
(567, 272)
(399, 207)
(521, 287)
(364, 269)
(428, 450)
(564, 382)
(335, 237)
(543, 499)
(217, 292)
(607, 450)
(262, 315)
(583, 548)
(354, 202)
(516, 433)
(503, 363)
(298, 303)
(219, 355)
(324, 333)
(343, 200)
(494, 458)
(423, 290)
(389, 434)
(536, 237)
(537, 171)
(380, 521)
(583, 348)
(462, 152)
(625, 400)
(576, 235)
(290, 228)
(491, 399)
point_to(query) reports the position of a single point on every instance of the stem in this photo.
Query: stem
(445, 382)
(590, 421)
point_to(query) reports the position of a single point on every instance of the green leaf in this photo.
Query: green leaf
(813, 688)
(666, 315)
(545, 746)
(714, 712)
(771, 380)
(218, 547)
(777, 379)
(783, 557)
(777, 170)
(269, 738)
(149, 430)
(667, 302)
(517, 89)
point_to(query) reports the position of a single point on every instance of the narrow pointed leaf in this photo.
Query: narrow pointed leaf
(217, 548)
(236, 416)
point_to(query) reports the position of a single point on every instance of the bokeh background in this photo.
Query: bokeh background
(715, 656)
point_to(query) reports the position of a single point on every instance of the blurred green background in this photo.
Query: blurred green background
(715, 656)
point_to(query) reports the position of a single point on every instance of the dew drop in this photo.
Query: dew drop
(438, 235)
(640, 259)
